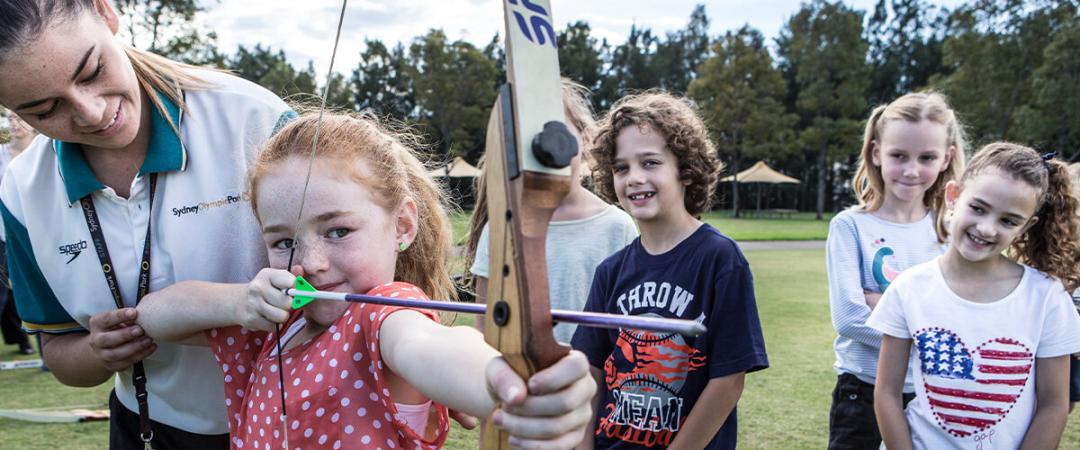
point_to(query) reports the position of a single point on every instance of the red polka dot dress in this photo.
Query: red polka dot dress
(336, 392)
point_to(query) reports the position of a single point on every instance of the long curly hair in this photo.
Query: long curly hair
(1050, 245)
(353, 138)
(868, 184)
(677, 120)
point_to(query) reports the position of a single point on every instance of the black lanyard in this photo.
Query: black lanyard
(94, 225)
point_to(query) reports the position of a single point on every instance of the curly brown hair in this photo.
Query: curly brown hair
(677, 120)
(1050, 245)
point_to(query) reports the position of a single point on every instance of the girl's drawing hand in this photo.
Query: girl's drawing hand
(555, 409)
(266, 304)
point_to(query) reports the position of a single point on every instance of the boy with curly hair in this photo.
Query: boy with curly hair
(654, 157)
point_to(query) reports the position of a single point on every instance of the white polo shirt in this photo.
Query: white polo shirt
(203, 229)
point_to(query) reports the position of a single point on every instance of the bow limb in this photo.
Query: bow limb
(528, 154)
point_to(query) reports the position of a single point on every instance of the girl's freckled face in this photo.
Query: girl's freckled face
(347, 239)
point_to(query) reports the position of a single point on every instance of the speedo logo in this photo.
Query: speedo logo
(72, 249)
(205, 206)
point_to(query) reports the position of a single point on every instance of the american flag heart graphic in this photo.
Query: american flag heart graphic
(970, 392)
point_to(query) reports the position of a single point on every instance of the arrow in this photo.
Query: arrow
(304, 293)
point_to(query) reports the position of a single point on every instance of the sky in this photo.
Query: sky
(305, 29)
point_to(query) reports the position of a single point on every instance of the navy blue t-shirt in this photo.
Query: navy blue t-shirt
(653, 379)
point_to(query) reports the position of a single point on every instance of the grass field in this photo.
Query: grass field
(783, 407)
(800, 227)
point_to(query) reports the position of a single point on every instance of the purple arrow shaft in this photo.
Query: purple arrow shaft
(598, 320)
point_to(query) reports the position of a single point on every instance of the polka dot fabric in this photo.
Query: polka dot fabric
(336, 392)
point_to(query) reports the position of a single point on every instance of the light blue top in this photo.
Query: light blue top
(865, 252)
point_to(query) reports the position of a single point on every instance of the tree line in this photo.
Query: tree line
(1011, 69)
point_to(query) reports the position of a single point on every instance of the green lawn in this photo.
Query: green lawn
(800, 227)
(784, 407)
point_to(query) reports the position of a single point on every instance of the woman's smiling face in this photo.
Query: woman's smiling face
(73, 82)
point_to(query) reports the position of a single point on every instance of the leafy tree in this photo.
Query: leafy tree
(679, 55)
(824, 61)
(272, 71)
(168, 27)
(383, 82)
(992, 49)
(453, 86)
(905, 39)
(579, 55)
(630, 66)
(339, 93)
(741, 97)
(1052, 119)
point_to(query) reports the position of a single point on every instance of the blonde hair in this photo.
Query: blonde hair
(157, 74)
(576, 107)
(396, 173)
(868, 184)
(1051, 244)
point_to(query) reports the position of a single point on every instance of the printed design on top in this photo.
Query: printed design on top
(645, 375)
(199, 207)
(970, 391)
(884, 268)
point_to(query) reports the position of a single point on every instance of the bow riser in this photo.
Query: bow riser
(524, 187)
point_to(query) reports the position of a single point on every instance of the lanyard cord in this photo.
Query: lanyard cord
(138, 379)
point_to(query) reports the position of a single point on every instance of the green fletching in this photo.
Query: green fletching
(302, 285)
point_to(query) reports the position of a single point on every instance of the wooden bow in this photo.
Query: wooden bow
(528, 156)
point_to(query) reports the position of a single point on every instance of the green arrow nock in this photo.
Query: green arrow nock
(299, 301)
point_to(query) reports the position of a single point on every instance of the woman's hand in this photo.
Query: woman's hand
(552, 412)
(266, 304)
(117, 341)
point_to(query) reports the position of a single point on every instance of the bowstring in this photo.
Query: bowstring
(300, 214)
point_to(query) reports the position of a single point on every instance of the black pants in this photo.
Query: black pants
(1074, 379)
(852, 422)
(124, 433)
(10, 325)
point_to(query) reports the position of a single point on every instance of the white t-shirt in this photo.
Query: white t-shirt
(574, 249)
(974, 363)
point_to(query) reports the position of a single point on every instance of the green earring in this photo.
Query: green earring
(402, 246)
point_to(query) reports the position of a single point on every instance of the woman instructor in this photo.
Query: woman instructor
(140, 187)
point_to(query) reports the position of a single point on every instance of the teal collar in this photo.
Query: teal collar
(165, 153)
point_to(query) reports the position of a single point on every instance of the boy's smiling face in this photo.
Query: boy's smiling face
(646, 176)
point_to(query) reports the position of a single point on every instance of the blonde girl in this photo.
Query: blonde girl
(911, 148)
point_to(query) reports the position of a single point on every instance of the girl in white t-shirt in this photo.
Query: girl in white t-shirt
(987, 328)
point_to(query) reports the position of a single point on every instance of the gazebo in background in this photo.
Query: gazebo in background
(458, 167)
(459, 175)
(761, 174)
